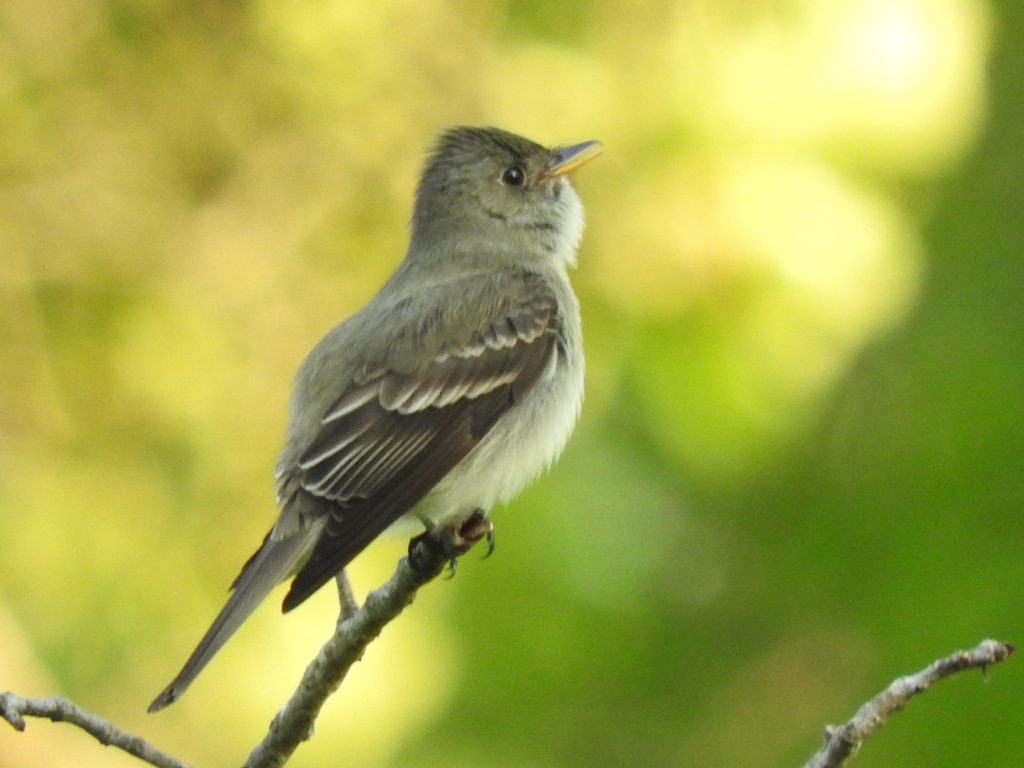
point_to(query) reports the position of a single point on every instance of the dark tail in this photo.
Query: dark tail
(272, 564)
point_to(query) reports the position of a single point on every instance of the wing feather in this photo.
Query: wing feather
(397, 431)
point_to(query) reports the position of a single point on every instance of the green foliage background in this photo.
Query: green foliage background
(798, 472)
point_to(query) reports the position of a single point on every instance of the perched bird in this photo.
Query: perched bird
(452, 389)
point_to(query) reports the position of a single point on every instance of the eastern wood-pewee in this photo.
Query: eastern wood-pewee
(452, 389)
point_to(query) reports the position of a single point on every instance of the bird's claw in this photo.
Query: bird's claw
(475, 527)
(440, 548)
(451, 568)
(490, 542)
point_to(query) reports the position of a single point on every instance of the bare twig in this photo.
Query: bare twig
(428, 556)
(357, 627)
(842, 742)
(14, 708)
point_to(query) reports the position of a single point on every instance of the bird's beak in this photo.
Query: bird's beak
(568, 159)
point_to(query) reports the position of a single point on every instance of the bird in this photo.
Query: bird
(452, 389)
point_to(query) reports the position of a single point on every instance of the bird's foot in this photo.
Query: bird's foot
(436, 548)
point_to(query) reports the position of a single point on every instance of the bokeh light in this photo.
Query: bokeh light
(798, 316)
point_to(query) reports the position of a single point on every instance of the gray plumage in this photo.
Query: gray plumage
(453, 388)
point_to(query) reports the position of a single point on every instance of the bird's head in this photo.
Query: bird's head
(488, 188)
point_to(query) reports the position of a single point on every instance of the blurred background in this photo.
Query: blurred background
(798, 471)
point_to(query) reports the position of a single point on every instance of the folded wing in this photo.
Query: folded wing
(394, 434)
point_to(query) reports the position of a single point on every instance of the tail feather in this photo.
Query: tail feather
(273, 563)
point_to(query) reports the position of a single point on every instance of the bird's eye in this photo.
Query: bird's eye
(513, 177)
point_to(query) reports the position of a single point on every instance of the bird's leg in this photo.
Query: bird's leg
(436, 547)
(346, 597)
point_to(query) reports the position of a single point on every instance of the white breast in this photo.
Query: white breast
(524, 442)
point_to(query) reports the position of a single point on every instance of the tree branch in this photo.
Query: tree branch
(14, 708)
(358, 626)
(428, 556)
(842, 742)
